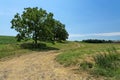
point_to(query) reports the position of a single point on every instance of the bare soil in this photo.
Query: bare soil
(37, 66)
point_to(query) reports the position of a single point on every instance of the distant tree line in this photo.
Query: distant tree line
(97, 41)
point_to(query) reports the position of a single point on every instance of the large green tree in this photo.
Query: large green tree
(39, 25)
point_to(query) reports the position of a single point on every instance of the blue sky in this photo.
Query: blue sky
(84, 19)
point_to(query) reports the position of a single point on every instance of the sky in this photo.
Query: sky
(84, 19)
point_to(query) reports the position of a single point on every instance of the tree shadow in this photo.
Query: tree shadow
(38, 47)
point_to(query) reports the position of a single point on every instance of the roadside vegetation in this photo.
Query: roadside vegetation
(10, 47)
(107, 64)
(99, 60)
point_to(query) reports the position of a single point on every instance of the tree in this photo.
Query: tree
(59, 31)
(37, 24)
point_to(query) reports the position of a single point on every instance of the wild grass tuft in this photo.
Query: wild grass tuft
(108, 63)
(86, 65)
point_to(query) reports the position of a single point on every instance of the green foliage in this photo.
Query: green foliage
(59, 31)
(37, 24)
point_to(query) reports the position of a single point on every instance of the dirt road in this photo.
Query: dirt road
(35, 66)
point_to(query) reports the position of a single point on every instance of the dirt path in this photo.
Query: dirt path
(36, 66)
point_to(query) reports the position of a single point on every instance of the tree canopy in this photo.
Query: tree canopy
(38, 24)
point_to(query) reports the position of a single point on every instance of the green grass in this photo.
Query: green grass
(78, 55)
(7, 39)
(68, 60)
(10, 47)
(78, 51)
(8, 50)
(108, 63)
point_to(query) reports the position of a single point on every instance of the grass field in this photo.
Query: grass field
(9, 47)
(90, 57)
(75, 54)
(81, 50)
(7, 39)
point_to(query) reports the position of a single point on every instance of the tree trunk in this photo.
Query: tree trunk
(36, 43)
(35, 38)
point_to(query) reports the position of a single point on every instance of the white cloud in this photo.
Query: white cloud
(108, 34)
(96, 34)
